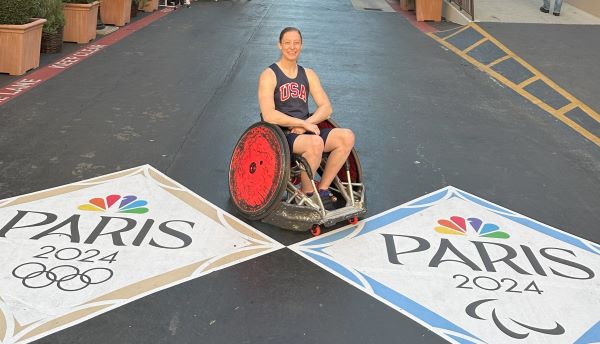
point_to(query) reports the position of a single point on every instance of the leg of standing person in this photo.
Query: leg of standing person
(557, 6)
(546, 6)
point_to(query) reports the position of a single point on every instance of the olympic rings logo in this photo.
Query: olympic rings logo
(67, 277)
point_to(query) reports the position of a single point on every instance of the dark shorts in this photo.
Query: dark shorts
(291, 137)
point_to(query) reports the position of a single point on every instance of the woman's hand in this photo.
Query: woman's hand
(298, 130)
(310, 127)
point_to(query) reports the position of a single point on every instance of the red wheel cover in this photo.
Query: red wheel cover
(257, 170)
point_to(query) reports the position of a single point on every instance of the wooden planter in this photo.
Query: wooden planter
(115, 12)
(80, 22)
(407, 5)
(151, 6)
(430, 10)
(20, 47)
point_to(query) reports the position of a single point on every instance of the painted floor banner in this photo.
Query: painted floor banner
(79, 250)
(470, 270)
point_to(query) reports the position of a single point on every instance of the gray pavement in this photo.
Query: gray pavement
(567, 54)
(179, 93)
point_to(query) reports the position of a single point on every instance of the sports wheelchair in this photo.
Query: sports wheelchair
(264, 178)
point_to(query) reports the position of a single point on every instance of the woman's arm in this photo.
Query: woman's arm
(324, 108)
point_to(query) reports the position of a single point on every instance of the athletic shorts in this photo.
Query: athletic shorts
(291, 137)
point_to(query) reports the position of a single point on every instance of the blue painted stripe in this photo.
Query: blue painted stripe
(431, 199)
(484, 203)
(591, 336)
(460, 340)
(414, 308)
(551, 232)
(342, 270)
(330, 238)
(388, 218)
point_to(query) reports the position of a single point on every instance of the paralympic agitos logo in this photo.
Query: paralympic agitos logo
(486, 255)
(123, 231)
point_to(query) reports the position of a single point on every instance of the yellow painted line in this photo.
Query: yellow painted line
(532, 69)
(582, 131)
(563, 110)
(528, 82)
(502, 59)
(475, 45)
(456, 33)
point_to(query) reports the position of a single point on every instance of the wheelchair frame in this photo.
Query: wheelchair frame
(288, 207)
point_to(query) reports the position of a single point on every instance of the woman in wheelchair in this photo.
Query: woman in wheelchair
(283, 90)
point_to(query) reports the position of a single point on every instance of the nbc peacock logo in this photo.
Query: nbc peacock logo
(127, 204)
(457, 225)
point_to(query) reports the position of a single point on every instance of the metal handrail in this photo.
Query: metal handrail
(467, 6)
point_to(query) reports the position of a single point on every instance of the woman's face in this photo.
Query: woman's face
(291, 45)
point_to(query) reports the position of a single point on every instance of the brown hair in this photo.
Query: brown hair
(288, 29)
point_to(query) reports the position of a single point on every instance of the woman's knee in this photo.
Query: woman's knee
(314, 146)
(347, 138)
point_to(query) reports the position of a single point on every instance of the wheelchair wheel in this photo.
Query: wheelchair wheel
(355, 167)
(259, 170)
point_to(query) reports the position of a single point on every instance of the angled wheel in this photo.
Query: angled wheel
(259, 170)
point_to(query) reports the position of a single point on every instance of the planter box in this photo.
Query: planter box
(20, 47)
(407, 5)
(80, 22)
(52, 42)
(430, 10)
(151, 6)
(115, 12)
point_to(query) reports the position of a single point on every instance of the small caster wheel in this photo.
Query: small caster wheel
(353, 220)
(315, 230)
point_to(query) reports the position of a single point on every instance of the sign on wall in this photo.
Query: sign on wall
(471, 271)
(76, 251)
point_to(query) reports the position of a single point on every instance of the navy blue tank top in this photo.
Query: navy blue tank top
(291, 95)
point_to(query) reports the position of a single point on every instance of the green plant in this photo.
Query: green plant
(18, 12)
(52, 10)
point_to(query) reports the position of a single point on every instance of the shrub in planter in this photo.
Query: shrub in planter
(20, 35)
(78, 1)
(18, 12)
(52, 32)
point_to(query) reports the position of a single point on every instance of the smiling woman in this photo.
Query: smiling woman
(283, 91)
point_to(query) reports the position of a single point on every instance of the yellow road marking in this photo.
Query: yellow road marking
(502, 59)
(560, 113)
(528, 82)
(475, 45)
(543, 77)
(456, 33)
(563, 110)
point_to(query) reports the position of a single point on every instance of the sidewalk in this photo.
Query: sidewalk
(528, 11)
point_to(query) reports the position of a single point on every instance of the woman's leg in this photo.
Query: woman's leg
(310, 147)
(339, 145)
